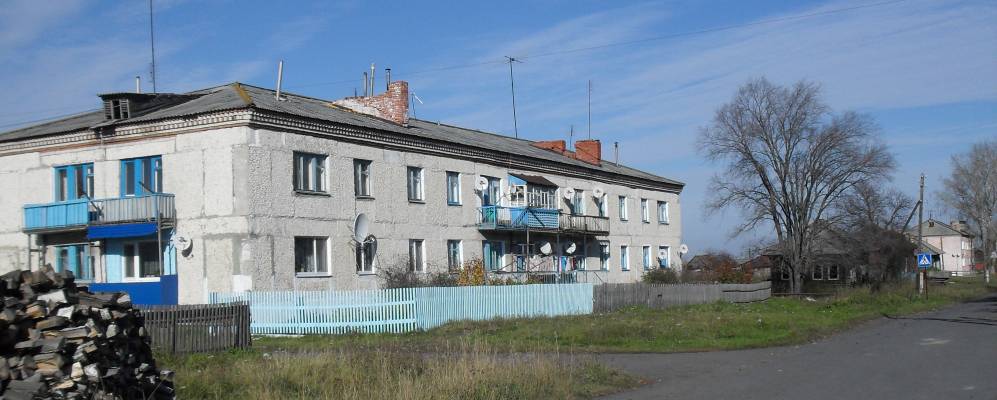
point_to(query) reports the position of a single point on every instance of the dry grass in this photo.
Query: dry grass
(460, 372)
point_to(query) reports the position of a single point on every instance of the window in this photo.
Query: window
(624, 214)
(818, 273)
(416, 255)
(602, 206)
(141, 260)
(141, 176)
(493, 252)
(784, 274)
(416, 191)
(455, 255)
(309, 172)
(832, 273)
(310, 255)
(662, 212)
(664, 257)
(492, 193)
(645, 214)
(578, 203)
(361, 178)
(73, 182)
(645, 253)
(453, 188)
(365, 256)
(116, 109)
(74, 258)
(625, 258)
(604, 256)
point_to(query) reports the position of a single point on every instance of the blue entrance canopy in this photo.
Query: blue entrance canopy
(120, 231)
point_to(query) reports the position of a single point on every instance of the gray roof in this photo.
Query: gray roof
(238, 96)
(933, 227)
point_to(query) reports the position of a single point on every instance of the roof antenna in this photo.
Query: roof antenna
(571, 135)
(512, 84)
(138, 84)
(616, 150)
(366, 85)
(590, 109)
(280, 78)
(387, 77)
(372, 90)
(412, 103)
(152, 44)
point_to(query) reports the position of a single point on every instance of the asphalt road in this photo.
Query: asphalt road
(947, 354)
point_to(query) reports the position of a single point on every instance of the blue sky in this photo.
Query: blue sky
(925, 70)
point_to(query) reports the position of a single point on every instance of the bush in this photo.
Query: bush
(472, 273)
(663, 275)
(397, 275)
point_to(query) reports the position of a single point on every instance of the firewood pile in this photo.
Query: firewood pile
(59, 341)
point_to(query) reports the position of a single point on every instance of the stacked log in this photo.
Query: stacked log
(59, 341)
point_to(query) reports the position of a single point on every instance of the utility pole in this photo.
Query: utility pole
(152, 45)
(921, 274)
(512, 84)
(590, 109)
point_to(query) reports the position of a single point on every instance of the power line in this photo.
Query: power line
(512, 85)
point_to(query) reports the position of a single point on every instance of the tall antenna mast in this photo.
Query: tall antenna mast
(590, 109)
(512, 84)
(152, 45)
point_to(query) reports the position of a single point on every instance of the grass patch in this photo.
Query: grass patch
(461, 371)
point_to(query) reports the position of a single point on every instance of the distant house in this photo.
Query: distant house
(951, 242)
(834, 266)
(760, 267)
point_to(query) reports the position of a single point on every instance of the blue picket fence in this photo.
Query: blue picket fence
(404, 310)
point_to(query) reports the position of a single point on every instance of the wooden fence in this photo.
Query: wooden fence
(198, 328)
(404, 310)
(614, 296)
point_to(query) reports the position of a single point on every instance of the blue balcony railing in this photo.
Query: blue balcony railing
(518, 218)
(81, 213)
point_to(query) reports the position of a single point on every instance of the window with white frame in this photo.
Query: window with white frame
(833, 273)
(625, 258)
(309, 172)
(311, 255)
(645, 214)
(624, 212)
(455, 255)
(361, 178)
(663, 212)
(365, 256)
(416, 189)
(416, 255)
(453, 188)
(603, 207)
(604, 256)
(578, 203)
(664, 257)
(141, 260)
(645, 253)
(817, 273)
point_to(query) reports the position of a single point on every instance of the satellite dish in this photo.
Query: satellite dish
(546, 248)
(570, 247)
(597, 192)
(361, 227)
(663, 254)
(683, 249)
(569, 193)
(481, 184)
(183, 244)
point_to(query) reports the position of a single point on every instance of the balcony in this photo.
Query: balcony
(540, 219)
(78, 214)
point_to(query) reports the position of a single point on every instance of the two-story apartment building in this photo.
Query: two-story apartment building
(951, 242)
(175, 196)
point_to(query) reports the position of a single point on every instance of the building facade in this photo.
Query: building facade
(952, 243)
(175, 196)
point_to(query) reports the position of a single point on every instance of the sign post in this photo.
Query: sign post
(923, 260)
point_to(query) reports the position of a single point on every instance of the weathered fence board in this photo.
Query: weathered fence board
(404, 310)
(614, 296)
(199, 327)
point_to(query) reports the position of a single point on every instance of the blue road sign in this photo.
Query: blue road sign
(923, 260)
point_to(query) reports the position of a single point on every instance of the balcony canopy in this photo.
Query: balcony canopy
(120, 231)
(534, 179)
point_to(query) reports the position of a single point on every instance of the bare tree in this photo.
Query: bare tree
(972, 190)
(873, 206)
(873, 218)
(788, 160)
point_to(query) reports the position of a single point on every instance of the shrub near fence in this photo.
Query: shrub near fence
(405, 310)
(198, 328)
(614, 296)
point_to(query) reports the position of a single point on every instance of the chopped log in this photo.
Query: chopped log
(51, 323)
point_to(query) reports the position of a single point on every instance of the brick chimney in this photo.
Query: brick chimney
(553, 145)
(391, 105)
(589, 151)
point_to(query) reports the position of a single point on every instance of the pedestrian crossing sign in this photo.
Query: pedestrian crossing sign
(923, 260)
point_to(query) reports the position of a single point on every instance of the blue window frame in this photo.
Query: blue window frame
(493, 252)
(141, 176)
(73, 182)
(492, 193)
(453, 188)
(75, 258)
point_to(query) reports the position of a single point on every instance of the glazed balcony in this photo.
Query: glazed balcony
(78, 214)
(493, 218)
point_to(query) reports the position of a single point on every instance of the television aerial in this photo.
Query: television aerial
(546, 248)
(481, 184)
(570, 247)
(597, 192)
(569, 193)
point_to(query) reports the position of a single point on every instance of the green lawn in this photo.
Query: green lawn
(486, 360)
